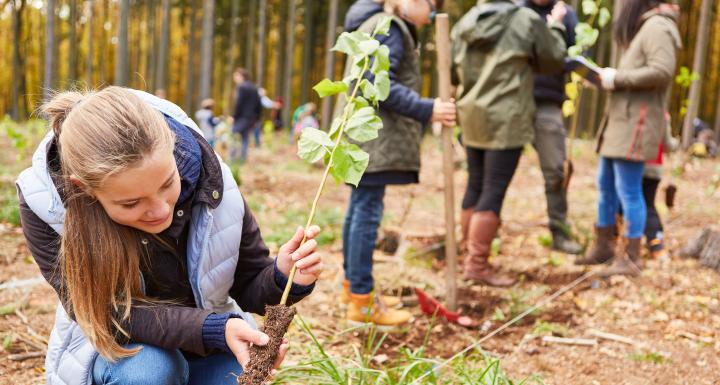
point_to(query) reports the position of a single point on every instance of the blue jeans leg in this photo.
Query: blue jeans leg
(367, 210)
(628, 184)
(257, 131)
(150, 366)
(245, 142)
(216, 369)
(608, 202)
(347, 235)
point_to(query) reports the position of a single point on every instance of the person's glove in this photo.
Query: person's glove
(607, 78)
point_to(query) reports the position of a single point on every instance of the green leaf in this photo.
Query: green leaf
(604, 17)
(368, 90)
(368, 47)
(589, 7)
(314, 144)
(382, 59)
(335, 126)
(363, 125)
(586, 35)
(328, 88)
(349, 163)
(383, 26)
(8, 309)
(574, 51)
(382, 85)
(8, 341)
(347, 43)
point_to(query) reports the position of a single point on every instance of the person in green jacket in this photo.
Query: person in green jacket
(497, 46)
(634, 127)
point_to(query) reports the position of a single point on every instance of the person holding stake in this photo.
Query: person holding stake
(633, 128)
(496, 48)
(141, 230)
(394, 155)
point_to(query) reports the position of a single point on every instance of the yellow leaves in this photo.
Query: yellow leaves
(571, 90)
(568, 108)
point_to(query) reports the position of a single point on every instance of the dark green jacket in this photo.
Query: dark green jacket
(496, 48)
(397, 147)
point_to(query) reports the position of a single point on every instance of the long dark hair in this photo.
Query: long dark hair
(629, 20)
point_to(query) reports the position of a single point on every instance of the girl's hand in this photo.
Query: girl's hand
(607, 77)
(558, 13)
(239, 336)
(444, 112)
(308, 262)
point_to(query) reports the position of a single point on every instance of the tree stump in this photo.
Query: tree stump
(706, 248)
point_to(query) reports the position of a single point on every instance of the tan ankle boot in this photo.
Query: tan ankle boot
(603, 248)
(628, 263)
(364, 309)
(387, 300)
(481, 231)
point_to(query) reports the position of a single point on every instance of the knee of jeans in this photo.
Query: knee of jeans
(152, 365)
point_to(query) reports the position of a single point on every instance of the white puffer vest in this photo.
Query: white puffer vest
(212, 254)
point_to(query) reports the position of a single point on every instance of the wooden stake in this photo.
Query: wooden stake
(442, 44)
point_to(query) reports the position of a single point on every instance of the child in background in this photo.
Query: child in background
(207, 121)
(307, 118)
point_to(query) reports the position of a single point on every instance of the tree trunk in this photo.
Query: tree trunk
(90, 37)
(151, 41)
(307, 57)
(329, 59)
(103, 43)
(161, 72)
(229, 95)
(262, 33)
(289, 59)
(699, 67)
(48, 80)
(717, 118)
(280, 52)
(18, 75)
(249, 48)
(72, 36)
(206, 49)
(121, 58)
(190, 76)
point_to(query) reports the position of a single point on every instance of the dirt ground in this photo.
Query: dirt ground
(671, 314)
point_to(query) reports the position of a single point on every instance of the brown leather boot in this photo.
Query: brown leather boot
(603, 248)
(628, 263)
(465, 215)
(481, 231)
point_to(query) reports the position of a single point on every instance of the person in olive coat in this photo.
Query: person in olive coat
(647, 34)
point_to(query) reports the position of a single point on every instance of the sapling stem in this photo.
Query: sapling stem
(313, 209)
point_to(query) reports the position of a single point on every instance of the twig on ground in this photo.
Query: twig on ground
(613, 337)
(25, 356)
(570, 341)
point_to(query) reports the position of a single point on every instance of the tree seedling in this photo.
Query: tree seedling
(343, 159)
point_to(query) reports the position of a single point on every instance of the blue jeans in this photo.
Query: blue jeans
(156, 366)
(620, 183)
(258, 131)
(359, 236)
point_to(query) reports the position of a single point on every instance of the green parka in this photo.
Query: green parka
(496, 48)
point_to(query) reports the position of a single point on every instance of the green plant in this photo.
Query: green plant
(685, 79)
(586, 36)
(543, 328)
(359, 121)
(654, 357)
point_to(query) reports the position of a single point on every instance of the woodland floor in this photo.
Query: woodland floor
(672, 312)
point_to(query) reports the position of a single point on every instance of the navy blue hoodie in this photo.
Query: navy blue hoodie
(402, 99)
(551, 88)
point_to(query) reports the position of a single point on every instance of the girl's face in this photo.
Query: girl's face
(143, 197)
(418, 12)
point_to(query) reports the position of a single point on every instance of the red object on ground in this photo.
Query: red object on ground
(432, 306)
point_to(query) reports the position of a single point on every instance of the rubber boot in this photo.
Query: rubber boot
(386, 299)
(603, 248)
(364, 309)
(628, 263)
(481, 231)
(563, 243)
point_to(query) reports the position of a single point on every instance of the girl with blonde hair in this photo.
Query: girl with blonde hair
(156, 258)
